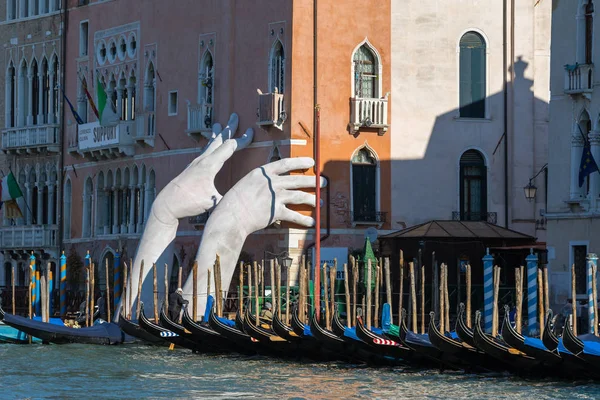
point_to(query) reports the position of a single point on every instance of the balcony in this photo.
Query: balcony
(145, 128)
(199, 120)
(579, 79)
(271, 110)
(31, 139)
(368, 217)
(490, 217)
(97, 142)
(199, 220)
(368, 113)
(28, 237)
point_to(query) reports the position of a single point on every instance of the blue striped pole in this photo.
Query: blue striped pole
(63, 285)
(50, 287)
(33, 294)
(532, 293)
(38, 301)
(117, 280)
(488, 290)
(592, 262)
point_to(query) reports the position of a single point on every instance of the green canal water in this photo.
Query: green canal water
(127, 372)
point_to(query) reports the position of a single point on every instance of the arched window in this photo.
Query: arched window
(277, 83)
(472, 75)
(67, 218)
(35, 92)
(23, 93)
(589, 31)
(206, 85)
(473, 187)
(45, 82)
(364, 186)
(149, 89)
(131, 96)
(366, 69)
(10, 96)
(86, 221)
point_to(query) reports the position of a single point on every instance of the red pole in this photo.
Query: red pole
(317, 260)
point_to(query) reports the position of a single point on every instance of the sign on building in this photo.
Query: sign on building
(329, 254)
(92, 135)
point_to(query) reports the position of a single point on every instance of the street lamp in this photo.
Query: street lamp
(531, 190)
(287, 261)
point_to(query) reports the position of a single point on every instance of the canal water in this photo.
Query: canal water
(127, 372)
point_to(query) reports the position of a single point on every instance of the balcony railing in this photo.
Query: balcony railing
(271, 110)
(28, 236)
(375, 217)
(490, 217)
(106, 142)
(579, 78)
(199, 220)
(368, 113)
(145, 128)
(31, 139)
(200, 117)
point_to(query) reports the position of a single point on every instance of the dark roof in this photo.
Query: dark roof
(458, 229)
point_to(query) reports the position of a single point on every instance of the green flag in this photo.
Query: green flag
(107, 115)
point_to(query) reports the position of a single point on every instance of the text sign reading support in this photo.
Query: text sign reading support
(329, 254)
(93, 135)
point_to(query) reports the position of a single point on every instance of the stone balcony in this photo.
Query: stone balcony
(368, 113)
(145, 128)
(271, 110)
(96, 142)
(31, 139)
(28, 237)
(579, 79)
(199, 120)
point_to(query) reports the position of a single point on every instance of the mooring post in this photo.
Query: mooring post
(63, 285)
(532, 293)
(592, 263)
(488, 291)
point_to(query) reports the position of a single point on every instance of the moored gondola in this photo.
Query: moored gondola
(385, 347)
(207, 345)
(283, 330)
(585, 347)
(232, 333)
(134, 330)
(548, 337)
(464, 333)
(163, 333)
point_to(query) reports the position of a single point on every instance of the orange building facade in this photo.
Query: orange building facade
(172, 71)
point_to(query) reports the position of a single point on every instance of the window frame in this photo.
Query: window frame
(378, 69)
(84, 44)
(169, 104)
(377, 184)
(486, 42)
(281, 76)
(572, 244)
(485, 177)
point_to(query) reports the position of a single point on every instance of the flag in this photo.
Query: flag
(588, 164)
(9, 192)
(75, 115)
(90, 99)
(108, 116)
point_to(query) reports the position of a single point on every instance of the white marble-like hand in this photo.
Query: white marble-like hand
(191, 193)
(256, 201)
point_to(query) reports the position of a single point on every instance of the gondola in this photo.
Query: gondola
(475, 359)
(464, 333)
(163, 333)
(268, 338)
(134, 330)
(383, 346)
(515, 360)
(585, 347)
(299, 327)
(283, 330)
(106, 333)
(531, 346)
(548, 337)
(207, 344)
(232, 333)
(208, 335)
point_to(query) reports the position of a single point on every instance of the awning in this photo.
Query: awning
(460, 230)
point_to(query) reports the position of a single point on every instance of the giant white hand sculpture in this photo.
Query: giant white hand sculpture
(256, 201)
(191, 193)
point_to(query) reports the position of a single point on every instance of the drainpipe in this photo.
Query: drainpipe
(60, 175)
(505, 90)
(317, 152)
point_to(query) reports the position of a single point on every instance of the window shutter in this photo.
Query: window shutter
(472, 66)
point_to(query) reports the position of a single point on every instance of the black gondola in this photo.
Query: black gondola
(384, 346)
(548, 337)
(133, 329)
(283, 330)
(208, 344)
(515, 360)
(464, 333)
(474, 358)
(585, 347)
(298, 326)
(232, 333)
(163, 333)
(106, 333)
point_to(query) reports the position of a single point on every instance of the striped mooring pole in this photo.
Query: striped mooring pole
(532, 293)
(117, 279)
(488, 290)
(33, 293)
(63, 285)
(592, 261)
(50, 288)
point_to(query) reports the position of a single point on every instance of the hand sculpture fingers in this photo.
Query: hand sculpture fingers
(230, 146)
(289, 164)
(220, 135)
(229, 131)
(285, 214)
(299, 182)
(297, 197)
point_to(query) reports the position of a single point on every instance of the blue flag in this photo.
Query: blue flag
(588, 164)
(75, 115)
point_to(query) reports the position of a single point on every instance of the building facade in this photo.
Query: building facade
(170, 82)
(573, 204)
(470, 114)
(32, 58)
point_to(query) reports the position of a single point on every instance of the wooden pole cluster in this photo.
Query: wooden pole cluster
(43, 298)
(446, 298)
(413, 296)
(195, 290)
(468, 283)
(574, 299)
(241, 289)
(423, 299)
(166, 287)
(139, 293)
(354, 288)
(262, 279)
(388, 286)
(249, 287)
(541, 291)
(519, 298)
(377, 284)
(401, 295)
(442, 313)
(495, 305)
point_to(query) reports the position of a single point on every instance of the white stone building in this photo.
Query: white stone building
(573, 210)
(471, 114)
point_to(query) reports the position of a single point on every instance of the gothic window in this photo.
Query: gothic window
(589, 31)
(365, 73)
(45, 92)
(472, 75)
(149, 88)
(364, 186)
(35, 91)
(473, 187)
(277, 83)
(10, 96)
